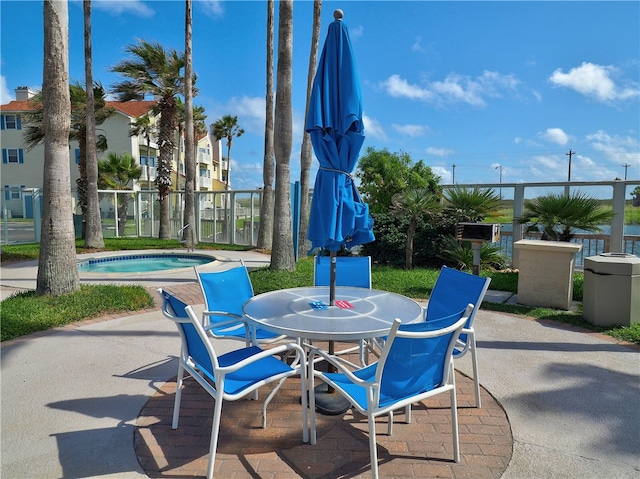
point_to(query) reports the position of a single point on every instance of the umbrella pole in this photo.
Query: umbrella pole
(328, 401)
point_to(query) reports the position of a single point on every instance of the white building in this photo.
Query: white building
(22, 169)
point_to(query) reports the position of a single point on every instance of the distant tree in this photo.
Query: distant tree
(227, 128)
(57, 267)
(636, 196)
(383, 174)
(157, 72)
(559, 215)
(265, 232)
(118, 172)
(306, 156)
(282, 255)
(414, 205)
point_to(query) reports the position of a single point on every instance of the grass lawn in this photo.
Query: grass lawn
(26, 313)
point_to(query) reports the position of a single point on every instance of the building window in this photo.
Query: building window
(12, 155)
(77, 155)
(11, 122)
(13, 192)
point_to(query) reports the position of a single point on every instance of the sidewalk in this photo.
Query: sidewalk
(74, 399)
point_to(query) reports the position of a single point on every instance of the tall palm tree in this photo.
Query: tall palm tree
(265, 232)
(118, 172)
(414, 205)
(227, 128)
(154, 71)
(93, 222)
(306, 157)
(282, 254)
(189, 219)
(57, 267)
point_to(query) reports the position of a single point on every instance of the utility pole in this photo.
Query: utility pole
(453, 175)
(570, 154)
(500, 168)
(625, 166)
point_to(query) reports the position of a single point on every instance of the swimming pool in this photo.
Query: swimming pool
(142, 263)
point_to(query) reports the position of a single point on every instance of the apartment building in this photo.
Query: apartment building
(22, 170)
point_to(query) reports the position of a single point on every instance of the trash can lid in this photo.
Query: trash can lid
(622, 264)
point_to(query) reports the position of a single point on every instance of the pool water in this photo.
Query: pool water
(142, 263)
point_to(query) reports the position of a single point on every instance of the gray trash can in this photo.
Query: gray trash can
(612, 289)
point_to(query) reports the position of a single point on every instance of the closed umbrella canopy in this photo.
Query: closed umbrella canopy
(338, 217)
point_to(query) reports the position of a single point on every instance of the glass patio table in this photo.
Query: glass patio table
(359, 313)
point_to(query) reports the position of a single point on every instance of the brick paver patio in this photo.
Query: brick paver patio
(421, 449)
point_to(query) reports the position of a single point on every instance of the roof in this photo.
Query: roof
(132, 108)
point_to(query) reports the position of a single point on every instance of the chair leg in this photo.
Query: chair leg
(454, 420)
(268, 400)
(176, 402)
(474, 361)
(215, 429)
(373, 447)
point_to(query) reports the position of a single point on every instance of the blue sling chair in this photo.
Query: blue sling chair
(352, 271)
(225, 291)
(416, 363)
(233, 375)
(454, 290)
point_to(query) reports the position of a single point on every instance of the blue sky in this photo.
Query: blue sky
(475, 84)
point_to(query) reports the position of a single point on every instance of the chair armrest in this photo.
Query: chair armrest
(339, 363)
(265, 353)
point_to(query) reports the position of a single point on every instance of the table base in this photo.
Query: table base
(330, 403)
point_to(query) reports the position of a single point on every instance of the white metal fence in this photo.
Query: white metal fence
(232, 217)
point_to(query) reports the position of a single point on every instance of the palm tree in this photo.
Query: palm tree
(265, 232)
(305, 153)
(57, 267)
(282, 255)
(154, 71)
(189, 220)
(559, 215)
(34, 132)
(226, 128)
(93, 222)
(117, 172)
(144, 126)
(414, 205)
(471, 204)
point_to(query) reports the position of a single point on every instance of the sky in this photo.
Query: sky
(502, 90)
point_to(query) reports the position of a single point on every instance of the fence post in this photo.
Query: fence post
(518, 210)
(617, 223)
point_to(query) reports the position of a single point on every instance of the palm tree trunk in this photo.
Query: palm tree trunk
(189, 150)
(93, 223)
(282, 254)
(57, 267)
(306, 152)
(265, 231)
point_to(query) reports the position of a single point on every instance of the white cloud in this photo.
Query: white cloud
(417, 45)
(443, 152)
(372, 128)
(443, 172)
(211, 8)
(249, 110)
(398, 87)
(6, 95)
(118, 7)
(595, 81)
(622, 150)
(555, 135)
(454, 88)
(356, 32)
(413, 131)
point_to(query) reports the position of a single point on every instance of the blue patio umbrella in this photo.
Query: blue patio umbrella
(338, 217)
